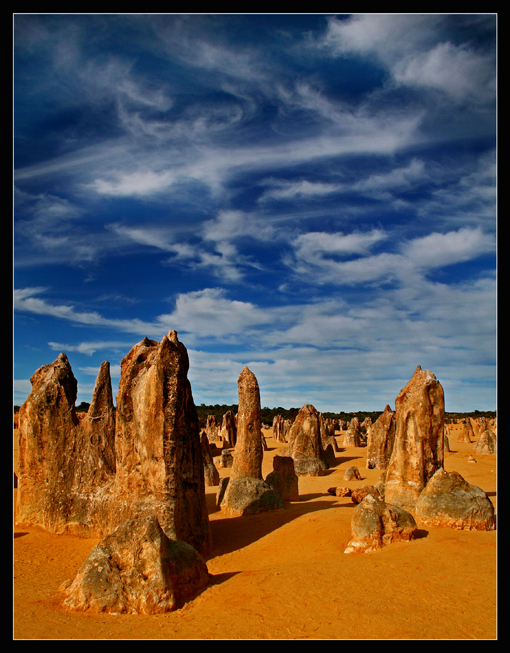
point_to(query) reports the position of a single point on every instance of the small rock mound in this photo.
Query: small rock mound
(375, 524)
(487, 443)
(284, 479)
(137, 569)
(449, 500)
(352, 474)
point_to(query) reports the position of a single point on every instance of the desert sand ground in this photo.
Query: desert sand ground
(284, 574)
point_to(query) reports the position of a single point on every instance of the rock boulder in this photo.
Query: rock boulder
(450, 501)
(375, 524)
(137, 569)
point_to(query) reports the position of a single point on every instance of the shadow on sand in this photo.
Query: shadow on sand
(232, 533)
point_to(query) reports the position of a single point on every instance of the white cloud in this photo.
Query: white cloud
(209, 313)
(387, 36)
(90, 348)
(280, 189)
(437, 249)
(93, 371)
(407, 45)
(455, 70)
(396, 179)
(26, 301)
(330, 351)
(313, 260)
(315, 245)
(132, 184)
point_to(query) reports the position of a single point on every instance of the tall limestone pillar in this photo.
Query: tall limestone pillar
(246, 491)
(419, 441)
(159, 464)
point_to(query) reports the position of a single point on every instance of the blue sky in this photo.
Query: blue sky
(310, 195)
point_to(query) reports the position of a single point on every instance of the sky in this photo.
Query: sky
(311, 195)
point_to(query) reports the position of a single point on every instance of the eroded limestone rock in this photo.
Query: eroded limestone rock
(137, 569)
(211, 474)
(62, 459)
(359, 494)
(247, 492)
(158, 449)
(352, 474)
(375, 524)
(305, 444)
(448, 500)
(78, 476)
(418, 450)
(487, 443)
(284, 479)
(228, 430)
(380, 439)
(352, 437)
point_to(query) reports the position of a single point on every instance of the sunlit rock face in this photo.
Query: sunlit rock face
(137, 569)
(157, 440)
(305, 443)
(247, 492)
(418, 450)
(448, 500)
(375, 524)
(87, 476)
(380, 440)
(63, 459)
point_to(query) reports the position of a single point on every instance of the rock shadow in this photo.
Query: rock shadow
(232, 533)
(346, 459)
(217, 579)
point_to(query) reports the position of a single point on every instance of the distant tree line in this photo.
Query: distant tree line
(267, 414)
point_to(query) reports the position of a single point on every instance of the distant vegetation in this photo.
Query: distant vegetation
(267, 414)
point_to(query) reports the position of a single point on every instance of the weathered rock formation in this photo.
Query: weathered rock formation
(98, 429)
(137, 569)
(366, 424)
(352, 474)
(62, 459)
(212, 429)
(158, 449)
(449, 500)
(375, 524)
(225, 459)
(446, 441)
(284, 479)
(487, 443)
(247, 492)
(380, 439)
(211, 474)
(465, 432)
(340, 491)
(327, 428)
(77, 476)
(228, 430)
(281, 428)
(418, 450)
(358, 494)
(305, 444)
(352, 438)
(220, 492)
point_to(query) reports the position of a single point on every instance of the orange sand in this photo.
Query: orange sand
(284, 574)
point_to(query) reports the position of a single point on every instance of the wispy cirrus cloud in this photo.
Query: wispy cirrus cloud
(316, 197)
